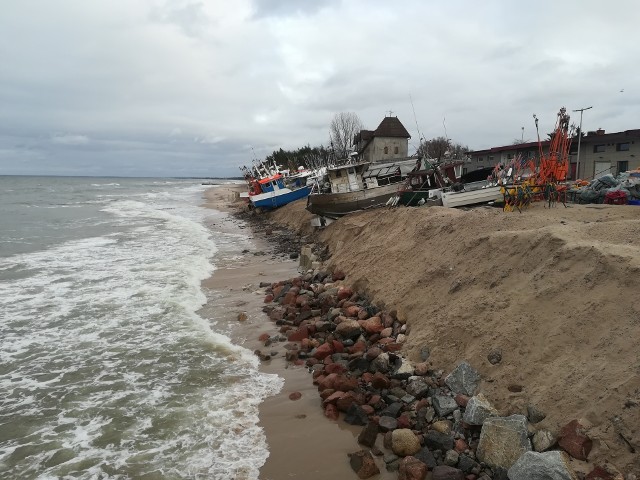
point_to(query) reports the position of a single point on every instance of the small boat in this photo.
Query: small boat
(273, 192)
(473, 193)
(358, 186)
(426, 177)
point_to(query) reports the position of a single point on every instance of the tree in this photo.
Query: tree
(342, 130)
(440, 148)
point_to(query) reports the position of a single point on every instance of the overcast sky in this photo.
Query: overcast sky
(189, 87)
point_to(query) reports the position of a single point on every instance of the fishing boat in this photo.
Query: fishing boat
(272, 192)
(358, 186)
(468, 194)
(427, 177)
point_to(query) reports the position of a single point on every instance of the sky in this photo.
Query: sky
(202, 87)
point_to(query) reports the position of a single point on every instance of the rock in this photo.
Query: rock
(444, 405)
(295, 396)
(543, 440)
(419, 387)
(387, 423)
(466, 464)
(426, 457)
(372, 325)
(503, 440)
(355, 415)
(338, 275)
(242, 316)
(438, 441)
(404, 442)
(380, 363)
(363, 464)
(368, 435)
(323, 351)
(534, 414)
(442, 426)
(451, 458)
(542, 466)
(331, 412)
(495, 356)
(404, 371)
(478, 410)
(604, 472)
(575, 441)
(463, 379)
(445, 472)
(410, 468)
(380, 381)
(348, 329)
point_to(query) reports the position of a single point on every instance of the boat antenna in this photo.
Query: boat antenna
(415, 119)
(254, 154)
(446, 135)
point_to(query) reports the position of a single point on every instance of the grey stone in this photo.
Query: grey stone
(426, 457)
(390, 457)
(387, 423)
(542, 466)
(425, 353)
(534, 414)
(438, 441)
(543, 440)
(408, 399)
(348, 329)
(466, 463)
(392, 410)
(418, 387)
(444, 405)
(445, 472)
(380, 363)
(495, 356)
(404, 371)
(463, 379)
(451, 458)
(478, 410)
(503, 440)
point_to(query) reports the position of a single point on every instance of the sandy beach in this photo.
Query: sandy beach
(303, 443)
(552, 289)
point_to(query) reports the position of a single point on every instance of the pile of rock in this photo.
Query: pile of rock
(425, 420)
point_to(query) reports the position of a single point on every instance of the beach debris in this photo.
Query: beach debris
(542, 466)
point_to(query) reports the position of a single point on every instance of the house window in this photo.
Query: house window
(509, 156)
(395, 150)
(480, 159)
(623, 166)
(599, 148)
(386, 150)
(491, 158)
(622, 147)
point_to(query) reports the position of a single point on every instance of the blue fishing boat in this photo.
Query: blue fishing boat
(274, 193)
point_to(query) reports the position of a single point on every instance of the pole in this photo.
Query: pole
(579, 138)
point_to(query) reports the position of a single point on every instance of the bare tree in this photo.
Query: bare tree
(440, 148)
(342, 129)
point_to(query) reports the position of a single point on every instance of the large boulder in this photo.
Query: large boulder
(503, 440)
(404, 442)
(478, 410)
(463, 379)
(542, 466)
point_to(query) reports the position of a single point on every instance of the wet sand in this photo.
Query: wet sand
(303, 443)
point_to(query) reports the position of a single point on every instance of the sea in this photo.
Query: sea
(107, 368)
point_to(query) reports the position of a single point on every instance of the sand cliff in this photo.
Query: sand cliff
(556, 290)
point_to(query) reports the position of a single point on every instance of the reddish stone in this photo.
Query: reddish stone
(412, 469)
(363, 314)
(351, 312)
(372, 325)
(323, 351)
(331, 412)
(380, 381)
(404, 421)
(422, 403)
(295, 396)
(384, 341)
(392, 347)
(345, 383)
(324, 394)
(268, 298)
(445, 472)
(327, 360)
(264, 337)
(328, 382)
(387, 320)
(346, 400)
(359, 346)
(462, 400)
(363, 464)
(372, 353)
(338, 346)
(305, 344)
(335, 368)
(368, 409)
(333, 398)
(277, 314)
(277, 288)
(344, 293)
(298, 362)
(605, 472)
(374, 400)
(575, 441)
(387, 332)
(338, 275)
(299, 334)
(460, 445)
(317, 379)
(302, 301)
(291, 356)
(366, 377)
(421, 369)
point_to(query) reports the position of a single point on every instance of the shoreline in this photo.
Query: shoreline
(300, 438)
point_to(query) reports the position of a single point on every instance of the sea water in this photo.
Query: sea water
(106, 368)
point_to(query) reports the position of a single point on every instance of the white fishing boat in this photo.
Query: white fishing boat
(472, 194)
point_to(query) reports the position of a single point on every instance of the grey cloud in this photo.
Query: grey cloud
(277, 8)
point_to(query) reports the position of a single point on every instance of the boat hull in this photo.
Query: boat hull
(335, 205)
(278, 198)
(473, 197)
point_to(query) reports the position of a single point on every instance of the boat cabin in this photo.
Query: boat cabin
(347, 178)
(271, 184)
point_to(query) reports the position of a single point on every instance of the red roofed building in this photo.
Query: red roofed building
(387, 142)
